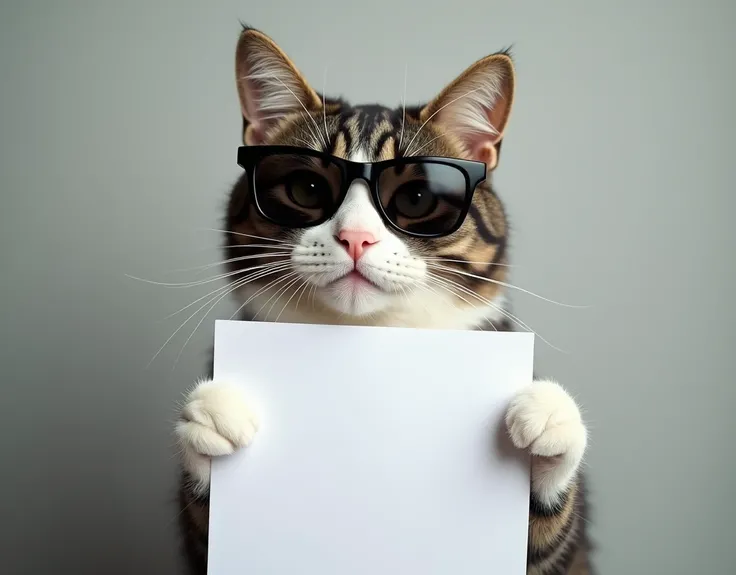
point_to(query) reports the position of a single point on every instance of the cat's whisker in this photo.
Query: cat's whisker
(431, 290)
(315, 144)
(303, 106)
(187, 321)
(444, 283)
(498, 308)
(451, 292)
(402, 291)
(309, 145)
(288, 301)
(303, 290)
(229, 288)
(403, 106)
(196, 301)
(439, 284)
(466, 301)
(261, 246)
(233, 288)
(286, 290)
(441, 259)
(232, 260)
(324, 107)
(503, 284)
(279, 258)
(269, 117)
(258, 292)
(258, 275)
(416, 152)
(280, 293)
(275, 77)
(490, 322)
(181, 511)
(209, 248)
(518, 321)
(208, 280)
(241, 234)
(287, 278)
(408, 147)
(313, 294)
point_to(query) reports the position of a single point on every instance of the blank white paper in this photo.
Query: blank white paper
(380, 451)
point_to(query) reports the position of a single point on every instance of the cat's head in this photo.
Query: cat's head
(313, 238)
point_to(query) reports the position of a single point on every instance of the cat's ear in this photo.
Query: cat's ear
(269, 85)
(475, 107)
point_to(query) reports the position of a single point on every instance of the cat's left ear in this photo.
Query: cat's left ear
(475, 107)
(270, 86)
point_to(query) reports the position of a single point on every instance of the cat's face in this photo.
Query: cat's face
(356, 267)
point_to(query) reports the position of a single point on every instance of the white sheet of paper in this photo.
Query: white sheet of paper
(381, 451)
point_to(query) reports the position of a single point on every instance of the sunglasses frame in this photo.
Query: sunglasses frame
(474, 173)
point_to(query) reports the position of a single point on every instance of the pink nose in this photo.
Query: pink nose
(355, 242)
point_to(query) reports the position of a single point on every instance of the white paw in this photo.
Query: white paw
(215, 421)
(544, 418)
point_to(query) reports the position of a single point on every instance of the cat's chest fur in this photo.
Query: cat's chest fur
(423, 313)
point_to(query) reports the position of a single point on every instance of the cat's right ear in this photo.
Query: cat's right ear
(475, 107)
(269, 86)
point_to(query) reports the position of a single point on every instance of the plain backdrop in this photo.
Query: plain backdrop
(119, 125)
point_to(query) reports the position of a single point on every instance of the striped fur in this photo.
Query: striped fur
(473, 255)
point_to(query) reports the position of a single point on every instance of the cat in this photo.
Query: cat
(333, 220)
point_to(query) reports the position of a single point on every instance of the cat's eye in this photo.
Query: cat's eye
(308, 189)
(296, 190)
(419, 196)
(413, 200)
(423, 198)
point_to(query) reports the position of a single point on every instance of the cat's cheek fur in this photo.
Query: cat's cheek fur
(545, 419)
(216, 420)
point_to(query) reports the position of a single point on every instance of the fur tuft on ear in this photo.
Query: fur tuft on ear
(475, 107)
(269, 86)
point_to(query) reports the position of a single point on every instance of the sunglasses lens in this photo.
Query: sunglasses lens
(424, 198)
(296, 190)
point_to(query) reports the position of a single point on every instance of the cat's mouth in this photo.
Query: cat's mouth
(355, 280)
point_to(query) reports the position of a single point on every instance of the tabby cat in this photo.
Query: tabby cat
(367, 215)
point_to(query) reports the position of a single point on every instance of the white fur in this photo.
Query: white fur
(545, 419)
(216, 420)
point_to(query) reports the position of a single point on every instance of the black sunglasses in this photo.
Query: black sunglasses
(424, 197)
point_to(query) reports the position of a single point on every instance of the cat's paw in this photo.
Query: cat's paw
(214, 421)
(545, 419)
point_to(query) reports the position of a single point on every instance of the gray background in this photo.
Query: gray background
(119, 125)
